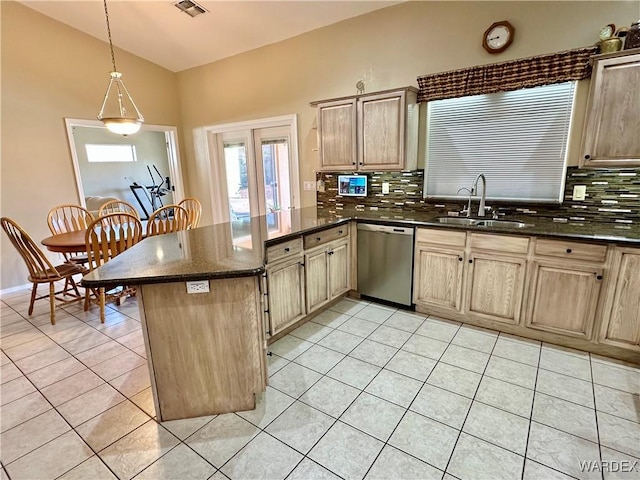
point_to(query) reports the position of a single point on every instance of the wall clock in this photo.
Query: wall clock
(498, 37)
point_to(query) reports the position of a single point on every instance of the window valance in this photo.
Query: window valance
(506, 76)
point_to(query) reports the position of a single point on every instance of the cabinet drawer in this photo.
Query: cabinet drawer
(324, 236)
(500, 243)
(571, 250)
(281, 250)
(442, 237)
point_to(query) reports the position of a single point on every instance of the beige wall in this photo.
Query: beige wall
(51, 71)
(389, 48)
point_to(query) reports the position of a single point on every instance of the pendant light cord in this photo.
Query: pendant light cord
(113, 57)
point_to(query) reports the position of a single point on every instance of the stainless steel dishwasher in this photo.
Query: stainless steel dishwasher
(385, 262)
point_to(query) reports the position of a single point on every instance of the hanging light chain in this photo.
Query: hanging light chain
(113, 57)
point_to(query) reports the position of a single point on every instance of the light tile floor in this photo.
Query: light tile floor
(362, 391)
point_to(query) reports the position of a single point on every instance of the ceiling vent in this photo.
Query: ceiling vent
(190, 7)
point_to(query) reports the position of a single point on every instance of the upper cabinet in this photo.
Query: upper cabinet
(369, 132)
(610, 137)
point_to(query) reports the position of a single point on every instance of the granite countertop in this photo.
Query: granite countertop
(209, 252)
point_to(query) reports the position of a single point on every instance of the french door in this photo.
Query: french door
(255, 173)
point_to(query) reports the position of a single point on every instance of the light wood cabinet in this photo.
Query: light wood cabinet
(438, 277)
(563, 297)
(369, 132)
(621, 322)
(610, 136)
(337, 138)
(495, 286)
(285, 287)
(327, 273)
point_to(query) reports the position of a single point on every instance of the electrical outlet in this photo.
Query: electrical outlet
(579, 192)
(201, 286)
(385, 187)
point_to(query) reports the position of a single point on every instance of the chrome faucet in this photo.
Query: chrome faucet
(474, 189)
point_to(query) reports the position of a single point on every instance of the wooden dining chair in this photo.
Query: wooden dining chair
(41, 270)
(193, 208)
(117, 206)
(107, 237)
(69, 218)
(168, 219)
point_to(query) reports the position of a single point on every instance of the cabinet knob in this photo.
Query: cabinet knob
(318, 239)
(470, 261)
(361, 163)
(353, 163)
(587, 157)
(598, 277)
(269, 353)
(340, 232)
(568, 250)
(286, 249)
(459, 259)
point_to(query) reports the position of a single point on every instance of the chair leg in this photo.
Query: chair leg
(102, 305)
(33, 297)
(52, 302)
(74, 285)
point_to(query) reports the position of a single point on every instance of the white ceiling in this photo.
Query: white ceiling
(159, 32)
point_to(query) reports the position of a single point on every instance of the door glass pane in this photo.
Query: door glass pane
(235, 159)
(277, 189)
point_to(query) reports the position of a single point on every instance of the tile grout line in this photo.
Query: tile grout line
(470, 407)
(595, 414)
(533, 402)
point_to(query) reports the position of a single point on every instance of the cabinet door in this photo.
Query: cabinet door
(495, 287)
(563, 298)
(381, 133)
(337, 138)
(285, 287)
(623, 323)
(338, 269)
(613, 118)
(316, 279)
(438, 278)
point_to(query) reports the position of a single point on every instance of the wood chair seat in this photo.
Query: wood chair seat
(41, 270)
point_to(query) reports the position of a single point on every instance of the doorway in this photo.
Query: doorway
(255, 172)
(141, 169)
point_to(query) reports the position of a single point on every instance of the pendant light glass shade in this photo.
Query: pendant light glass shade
(113, 112)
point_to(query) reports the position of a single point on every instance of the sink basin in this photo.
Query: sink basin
(501, 223)
(480, 222)
(458, 220)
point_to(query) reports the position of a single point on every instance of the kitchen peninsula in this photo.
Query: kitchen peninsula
(207, 351)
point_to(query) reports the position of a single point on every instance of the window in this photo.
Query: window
(110, 153)
(518, 139)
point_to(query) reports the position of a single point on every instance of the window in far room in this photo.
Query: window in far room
(110, 153)
(518, 139)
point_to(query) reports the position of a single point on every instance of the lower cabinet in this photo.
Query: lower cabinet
(495, 286)
(438, 277)
(326, 273)
(563, 297)
(621, 322)
(285, 287)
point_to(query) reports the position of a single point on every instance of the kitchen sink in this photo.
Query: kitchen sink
(501, 223)
(480, 222)
(458, 220)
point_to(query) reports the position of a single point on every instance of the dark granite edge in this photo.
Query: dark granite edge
(190, 277)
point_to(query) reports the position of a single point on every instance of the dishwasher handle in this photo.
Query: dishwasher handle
(385, 229)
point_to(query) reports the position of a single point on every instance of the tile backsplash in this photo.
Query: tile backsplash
(613, 196)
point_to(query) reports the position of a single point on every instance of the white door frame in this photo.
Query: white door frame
(206, 146)
(173, 153)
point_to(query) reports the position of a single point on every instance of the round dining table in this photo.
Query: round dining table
(73, 242)
(68, 242)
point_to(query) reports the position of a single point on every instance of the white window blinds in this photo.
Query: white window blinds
(518, 139)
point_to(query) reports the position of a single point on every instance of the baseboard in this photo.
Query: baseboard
(6, 291)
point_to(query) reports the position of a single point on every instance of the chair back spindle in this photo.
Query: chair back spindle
(168, 219)
(194, 209)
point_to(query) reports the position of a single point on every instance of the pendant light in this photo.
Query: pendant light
(121, 123)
